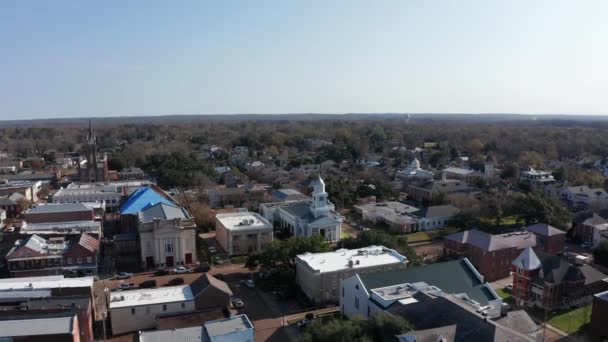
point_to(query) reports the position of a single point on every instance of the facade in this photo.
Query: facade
(36, 256)
(536, 177)
(29, 189)
(59, 212)
(592, 231)
(109, 195)
(319, 274)
(599, 312)
(131, 173)
(242, 232)
(81, 305)
(138, 309)
(95, 169)
(551, 282)
(424, 193)
(492, 255)
(12, 204)
(167, 235)
(364, 295)
(306, 217)
(462, 174)
(233, 329)
(405, 218)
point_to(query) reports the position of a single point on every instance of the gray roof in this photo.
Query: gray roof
(527, 260)
(283, 194)
(544, 229)
(592, 274)
(34, 326)
(438, 211)
(57, 208)
(444, 334)
(5, 200)
(453, 277)
(520, 321)
(299, 209)
(489, 242)
(191, 334)
(163, 211)
(228, 325)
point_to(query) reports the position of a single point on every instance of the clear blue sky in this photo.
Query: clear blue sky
(110, 58)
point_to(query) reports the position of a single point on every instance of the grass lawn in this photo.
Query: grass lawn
(429, 235)
(571, 321)
(504, 294)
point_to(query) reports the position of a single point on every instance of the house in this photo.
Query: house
(319, 274)
(242, 232)
(233, 177)
(167, 236)
(405, 218)
(536, 177)
(12, 204)
(413, 173)
(210, 292)
(306, 217)
(551, 282)
(584, 198)
(38, 256)
(599, 312)
(131, 173)
(462, 174)
(593, 230)
(425, 192)
(41, 326)
(435, 216)
(367, 294)
(235, 328)
(59, 212)
(492, 254)
(138, 309)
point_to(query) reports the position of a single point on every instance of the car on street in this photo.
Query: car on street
(148, 284)
(249, 283)
(212, 250)
(10, 229)
(123, 275)
(303, 323)
(482, 309)
(181, 270)
(237, 303)
(126, 286)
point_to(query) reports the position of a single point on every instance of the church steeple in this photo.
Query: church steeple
(319, 206)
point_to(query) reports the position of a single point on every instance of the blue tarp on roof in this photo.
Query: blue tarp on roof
(141, 199)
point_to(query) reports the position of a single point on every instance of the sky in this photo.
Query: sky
(115, 58)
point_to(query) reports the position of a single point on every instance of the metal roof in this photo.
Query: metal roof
(36, 326)
(163, 211)
(527, 260)
(142, 198)
(57, 208)
(228, 325)
(191, 334)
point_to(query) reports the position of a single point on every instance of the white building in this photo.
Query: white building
(167, 235)
(242, 232)
(233, 329)
(306, 217)
(405, 218)
(138, 309)
(413, 173)
(319, 274)
(108, 194)
(536, 177)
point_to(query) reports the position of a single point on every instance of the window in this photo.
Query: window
(89, 260)
(79, 260)
(168, 247)
(132, 311)
(342, 291)
(357, 286)
(69, 261)
(164, 307)
(357, 302)
(183, 305)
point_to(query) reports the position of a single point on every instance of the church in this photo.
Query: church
(305, 217)
(93, 169)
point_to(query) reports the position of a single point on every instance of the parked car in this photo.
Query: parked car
(161, 272)
(217, 260)
(303, 323)
(148, 284)
(181, 270)
(483, 308)
(212, 250)
(176, 281)
(237, 303)
(126, 286)
(123, 275)
(204, 268)
(249, 283)
(10, 229)
(509, 287)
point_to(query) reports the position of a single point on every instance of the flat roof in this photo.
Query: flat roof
(229, 325)
(191, 334)
(49, 282)
(150, 296)
(243, 221)
(361, 258)
(57, 208)
(35, 326)
(71, 227)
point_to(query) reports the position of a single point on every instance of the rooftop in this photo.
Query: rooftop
(459, 170)
(150, 296)
(69, 227)
(47, 282)
(163, 211)
(544, 229)
(191, 334)
(489, 242)
(602, 296)
(36, 326)
(227, 326)
(342, 258)
(57, 208)
(453, 277)
(243, 221)
(141, 199)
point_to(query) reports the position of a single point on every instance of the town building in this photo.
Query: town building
(131, 173)
(29, 189)
(39, 326)
(462, 174)
(59, 212)
(404, 218)
(167, 235)
(492, 254)
(413, 173)
(306, 217)
(592, 230)
(579, 198)
(364, 295)
(536, 177)
(108, 194)
(210, 293)
(287, 195)
(551, 282)
(95, 168)
(12, 205)
(46, 178)
(57, 229)
(425, 192)
(319, 274)
(235, 328)
(599, 312)
(36, 256)
(244, 195)
(138, 309)
(242, 232)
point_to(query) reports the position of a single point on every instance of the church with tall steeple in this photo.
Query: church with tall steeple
(92, 169)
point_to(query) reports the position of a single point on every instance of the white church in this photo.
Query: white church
(308, 216)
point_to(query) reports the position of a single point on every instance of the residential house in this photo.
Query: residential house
(131, 173)
(234, 177)
(492, 255)
(536, 177)
(306, 217)
(367, 294)
(551, 282)
(138, 309)
(584, 198)
(319, 274)
(210, 293)
(235, 328)
(593, 230)
(242, 232)
(12, 204)
(249, 194)
(599, 312)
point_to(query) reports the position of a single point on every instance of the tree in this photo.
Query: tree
(280, 255)
(600, 253)
(537, 207)
(380, 327)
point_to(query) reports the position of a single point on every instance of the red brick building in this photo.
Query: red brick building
(59, 212)
(551, 282)
(492, 255)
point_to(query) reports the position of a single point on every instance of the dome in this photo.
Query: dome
(415, 164)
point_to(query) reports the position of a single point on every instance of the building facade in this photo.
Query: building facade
(242, 232)
(168, 242)
(95, 169)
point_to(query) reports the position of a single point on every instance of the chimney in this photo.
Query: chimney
(350, 263)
